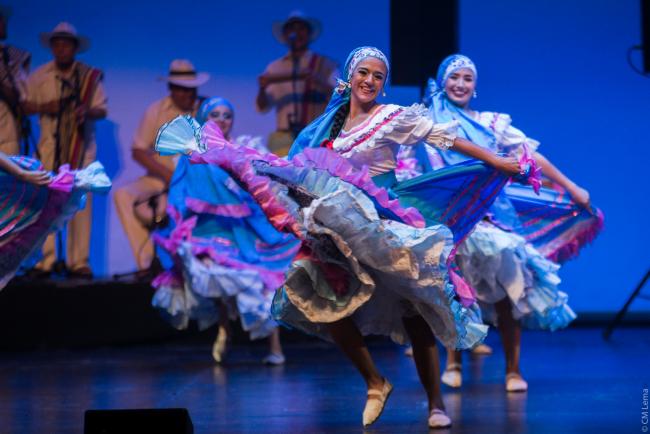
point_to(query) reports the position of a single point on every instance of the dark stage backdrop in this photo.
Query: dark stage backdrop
(558, 67)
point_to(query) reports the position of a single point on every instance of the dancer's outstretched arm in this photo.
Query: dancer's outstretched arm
(579, 194)
(508, 165)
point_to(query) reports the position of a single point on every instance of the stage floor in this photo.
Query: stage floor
(578, 384)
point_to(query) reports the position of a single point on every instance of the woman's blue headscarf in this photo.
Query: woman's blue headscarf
(202, 115)
(312, 135)
(441, 109)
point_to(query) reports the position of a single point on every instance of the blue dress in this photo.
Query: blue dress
(364, 254)
(503, 256)
(223, 248)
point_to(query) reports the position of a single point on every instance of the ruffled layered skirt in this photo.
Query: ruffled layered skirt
(29, 213)
(374, 271)
(225, 252)
(552, 222)
(502, 265)
(364, 254)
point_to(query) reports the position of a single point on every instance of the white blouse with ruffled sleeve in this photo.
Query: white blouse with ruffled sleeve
(509, 138)
(375, 142)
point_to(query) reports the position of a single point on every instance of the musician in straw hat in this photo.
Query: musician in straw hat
(68, 97)
(298, 84)
(135, 201)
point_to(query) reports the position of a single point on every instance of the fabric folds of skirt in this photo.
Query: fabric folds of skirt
(502, 265)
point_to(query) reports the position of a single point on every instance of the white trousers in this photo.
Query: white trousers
(134, 217)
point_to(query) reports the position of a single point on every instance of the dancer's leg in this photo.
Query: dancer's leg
(425, 355)
(453, 375)
(510, 331)
(453, 357)
(347, 336)
(221, 342)
(275, 346)
(275, 356)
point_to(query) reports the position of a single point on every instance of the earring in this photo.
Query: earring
(342, 86)
(383, 93)
(475, 94)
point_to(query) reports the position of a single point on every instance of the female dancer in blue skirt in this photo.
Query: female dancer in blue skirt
(228, 259)
(367, 264)
(507, 256)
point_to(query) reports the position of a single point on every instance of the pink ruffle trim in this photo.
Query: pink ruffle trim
(572, 246)
(272, 279)
(335, 165)
(167, 278)
(465, 292)
(64, 180)
(183, 232)
(203, 207)
(237, 160)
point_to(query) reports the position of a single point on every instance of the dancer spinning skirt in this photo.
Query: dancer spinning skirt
(368, 264)
(516, 283)
(228, 258)
(34, 203)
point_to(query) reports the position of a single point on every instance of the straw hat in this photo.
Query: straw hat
(182, 73)
(65, 30)
(314, 25)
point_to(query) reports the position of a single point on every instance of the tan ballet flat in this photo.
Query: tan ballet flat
(219, 346)
(453, 376)
(439, 419)
(375, 403)
(515, 383)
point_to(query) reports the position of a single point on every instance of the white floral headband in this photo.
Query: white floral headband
(358, 54)
(457, 62)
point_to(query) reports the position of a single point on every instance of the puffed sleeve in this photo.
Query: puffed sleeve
(413, 125)
(509, 138)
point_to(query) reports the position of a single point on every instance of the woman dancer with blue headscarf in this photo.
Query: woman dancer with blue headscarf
(367, 264)
(228, 259)
(515, 283)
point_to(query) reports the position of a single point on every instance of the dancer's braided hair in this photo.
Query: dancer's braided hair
(339, 121)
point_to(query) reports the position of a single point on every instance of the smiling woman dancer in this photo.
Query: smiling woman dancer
(367, 265)
(515, 283)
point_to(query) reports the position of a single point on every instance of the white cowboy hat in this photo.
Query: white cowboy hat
(65, 30)
(183, 74)
(314, 25)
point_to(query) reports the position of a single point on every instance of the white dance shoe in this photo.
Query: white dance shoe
(375, 403)
(453, 376)
(439, 419)
(515, 383)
